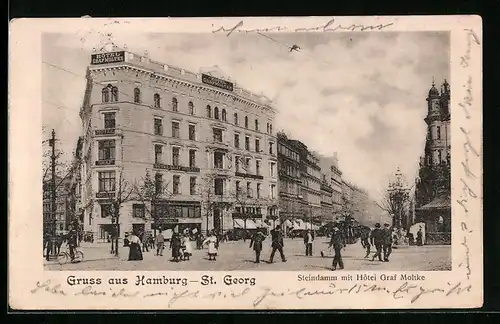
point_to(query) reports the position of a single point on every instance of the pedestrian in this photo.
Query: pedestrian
(387, 245)
(256, 242)
(160, 242)
(337, 242)
(199, 241)
(175, 245)
(48, 246)
(419, 237)
(365, 240)
(59, 241)
(126, 240)
(308, 242)
(144, 242)
(277, 243)
(134, 244)
(72, 242)
(377, 239)
(187, 250)
(211, 240)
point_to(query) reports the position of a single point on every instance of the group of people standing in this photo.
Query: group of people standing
(180, 245)
(277, 243)
(52, 245)
(381, 239)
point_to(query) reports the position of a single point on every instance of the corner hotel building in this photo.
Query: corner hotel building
(185, 129)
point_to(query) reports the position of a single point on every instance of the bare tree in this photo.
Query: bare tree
(116, 194)
(151, 192)
(396, 204)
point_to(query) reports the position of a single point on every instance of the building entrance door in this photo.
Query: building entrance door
(217, 219)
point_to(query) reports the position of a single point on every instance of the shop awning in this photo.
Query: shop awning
(442, 202)
(240, 223)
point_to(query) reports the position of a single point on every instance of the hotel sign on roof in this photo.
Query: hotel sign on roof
(207, 79)
(106, 58)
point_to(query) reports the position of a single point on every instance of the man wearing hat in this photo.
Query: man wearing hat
(256, 242)
(387, 244)
(377, 239)
(337, 241)
(277, 244)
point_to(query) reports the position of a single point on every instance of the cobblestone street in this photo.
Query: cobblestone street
(238, 256)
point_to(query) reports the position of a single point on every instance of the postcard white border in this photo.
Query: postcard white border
(460, 288)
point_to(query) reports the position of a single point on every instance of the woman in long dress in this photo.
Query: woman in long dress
(175, 245)
(187, 249)
(135, 252)
(211, 240)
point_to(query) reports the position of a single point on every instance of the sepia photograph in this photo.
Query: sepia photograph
(262, 151)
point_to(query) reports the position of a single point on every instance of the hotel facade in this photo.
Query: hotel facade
(208, 144)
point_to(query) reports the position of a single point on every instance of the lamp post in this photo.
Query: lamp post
(398, 194)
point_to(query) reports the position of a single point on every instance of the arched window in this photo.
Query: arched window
(191, 108)
(209, 111)
(257, 124)
(246, 121)
(270, 128)
(235, 118)
(174, 104)
(157, 100)
(105, 94)
(224, 117)
(216, 113)
(114, 94)
(137, 95)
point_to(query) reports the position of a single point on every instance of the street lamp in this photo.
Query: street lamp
(398, 194)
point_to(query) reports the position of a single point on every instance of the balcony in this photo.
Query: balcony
(105, 162)
(248, 175)
(105, 132)
(104, 195)
(247, 215)
(175, 167)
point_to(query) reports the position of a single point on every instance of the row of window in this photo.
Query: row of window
(107, 183)
(110, 94)
(282, 149)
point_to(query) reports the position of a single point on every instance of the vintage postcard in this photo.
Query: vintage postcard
(246, 163)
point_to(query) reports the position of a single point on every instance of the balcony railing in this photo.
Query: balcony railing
(105, 131)
(105, 162)
(246, 215)
(248, 175)
(105, 195)
(175, 167)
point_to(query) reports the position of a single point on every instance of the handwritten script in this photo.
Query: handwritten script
(329, 26)
(258, 295)
(468, 176)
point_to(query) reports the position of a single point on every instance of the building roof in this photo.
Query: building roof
(440, 202)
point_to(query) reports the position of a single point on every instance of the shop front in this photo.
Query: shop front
(180, 216)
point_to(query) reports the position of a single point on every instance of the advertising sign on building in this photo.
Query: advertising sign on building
(207, 79)
(105, 58)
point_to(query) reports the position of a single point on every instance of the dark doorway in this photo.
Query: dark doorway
(217, 218)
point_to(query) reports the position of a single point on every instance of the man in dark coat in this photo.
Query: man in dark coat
(48, 246)
(72, 242)
(387, 245)
(377, 239)
(256, 241)
(337, 241)
(365, 240)
(277, 244)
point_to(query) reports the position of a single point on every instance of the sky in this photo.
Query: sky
(360, 94)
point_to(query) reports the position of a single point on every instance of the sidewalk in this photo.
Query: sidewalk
(91, 252)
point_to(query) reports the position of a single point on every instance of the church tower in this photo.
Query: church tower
(432, 194)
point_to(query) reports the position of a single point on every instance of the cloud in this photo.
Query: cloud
(359, 94)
